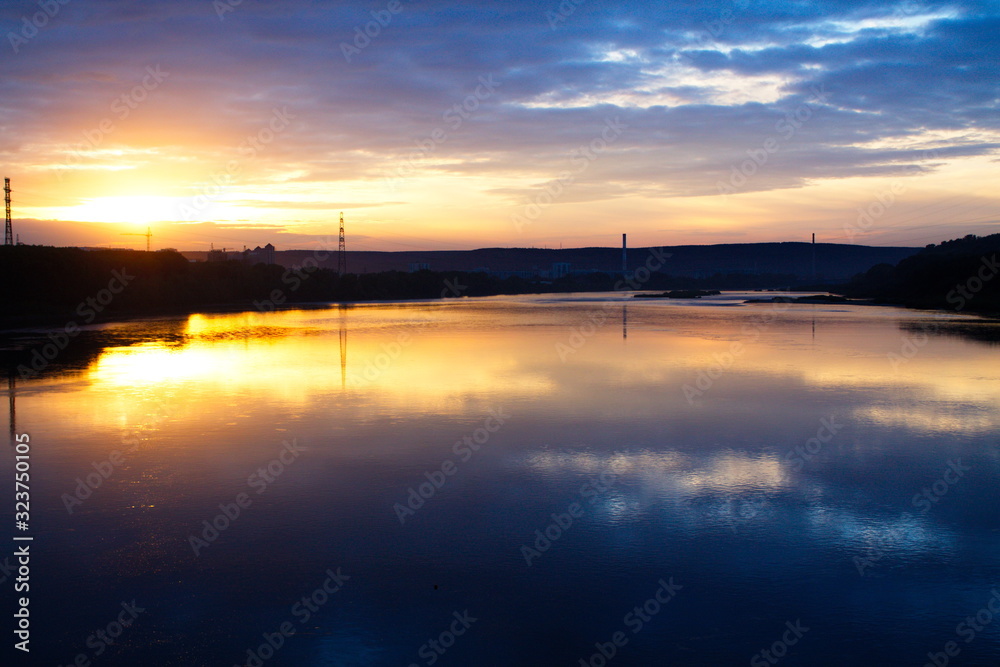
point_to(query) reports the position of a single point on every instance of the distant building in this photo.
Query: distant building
(216, 255)
(419, 266)
(259, 255)
(560, 269)
(516, 274)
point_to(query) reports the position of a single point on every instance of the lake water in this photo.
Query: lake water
(517, 481)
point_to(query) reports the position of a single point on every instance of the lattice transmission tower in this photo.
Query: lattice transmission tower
(342, 250)
(8, 230)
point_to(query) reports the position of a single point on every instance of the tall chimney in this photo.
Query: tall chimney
(814, 256)
(624, 249)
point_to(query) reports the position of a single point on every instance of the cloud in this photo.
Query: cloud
(700, 88)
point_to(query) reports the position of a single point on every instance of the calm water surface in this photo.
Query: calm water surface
(768, 464)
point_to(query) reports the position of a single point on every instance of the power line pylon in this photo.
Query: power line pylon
(8, 230)
(342, 250)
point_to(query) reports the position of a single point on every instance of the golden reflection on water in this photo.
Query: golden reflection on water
(409, 360)
(440, 363)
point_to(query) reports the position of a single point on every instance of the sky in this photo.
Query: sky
(436, 125)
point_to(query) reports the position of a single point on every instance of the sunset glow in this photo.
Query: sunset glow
(736, 122)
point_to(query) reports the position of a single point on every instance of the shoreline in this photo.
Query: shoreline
(17, 325)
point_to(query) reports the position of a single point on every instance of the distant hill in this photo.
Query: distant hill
(834, 262)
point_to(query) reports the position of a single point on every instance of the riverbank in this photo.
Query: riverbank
(51, 287)
(958, 275)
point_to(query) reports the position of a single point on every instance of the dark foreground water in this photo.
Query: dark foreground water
(515, 481)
